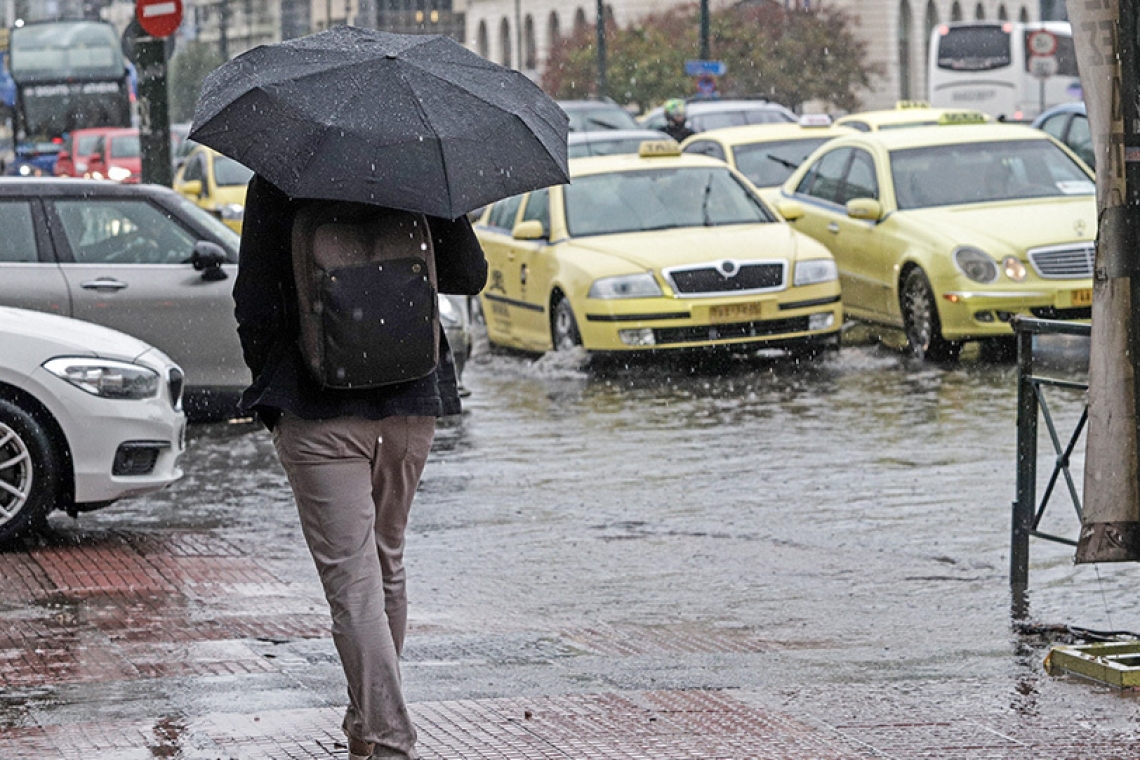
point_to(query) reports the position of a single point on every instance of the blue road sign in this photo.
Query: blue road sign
(696, 68)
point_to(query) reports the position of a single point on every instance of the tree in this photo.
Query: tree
(187, 69)
(787, 56)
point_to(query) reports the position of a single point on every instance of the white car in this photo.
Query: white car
(88, 416)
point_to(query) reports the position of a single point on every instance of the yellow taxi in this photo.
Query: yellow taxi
(766, 154)
(950, 231)
(910, 113)
(215, 182)
(653, 251)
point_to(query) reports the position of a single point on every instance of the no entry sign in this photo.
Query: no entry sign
(159, 18)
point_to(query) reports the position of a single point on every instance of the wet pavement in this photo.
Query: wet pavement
(671, 560)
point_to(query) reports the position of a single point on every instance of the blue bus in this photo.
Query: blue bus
(68, 75)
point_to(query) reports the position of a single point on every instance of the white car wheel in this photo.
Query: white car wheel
(29, 471)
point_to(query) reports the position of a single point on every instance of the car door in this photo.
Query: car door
(29, 275)
(822, 190)
(500, 307)
(869, 273)
(127, 265)
(534, 272)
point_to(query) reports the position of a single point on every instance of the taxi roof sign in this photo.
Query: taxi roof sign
(659, 148)
(815, 120)
(962, 117)
(912, 104)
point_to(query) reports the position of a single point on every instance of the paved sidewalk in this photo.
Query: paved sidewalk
(129, 645)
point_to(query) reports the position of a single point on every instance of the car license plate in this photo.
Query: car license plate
(1082, 297)
(735, 312)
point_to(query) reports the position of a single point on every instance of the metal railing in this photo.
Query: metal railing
(1033, 405)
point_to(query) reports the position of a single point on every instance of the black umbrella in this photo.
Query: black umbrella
(416, 122)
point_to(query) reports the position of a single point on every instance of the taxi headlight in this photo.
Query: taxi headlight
(118, 173)
(641, 285)
(1014, 269)
(976, 265)
(231, 212)
(814, 270)
(105, 377)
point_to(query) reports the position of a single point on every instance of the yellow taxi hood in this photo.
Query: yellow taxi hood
(1018, 226)
(659, 249)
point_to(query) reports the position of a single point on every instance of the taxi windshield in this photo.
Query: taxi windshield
(983, 172)
(769, 164)
(658, 199)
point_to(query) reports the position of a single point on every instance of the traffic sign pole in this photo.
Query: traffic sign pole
(157, 19)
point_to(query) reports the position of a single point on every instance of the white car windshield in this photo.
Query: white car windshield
(983, 172)
(657, 199)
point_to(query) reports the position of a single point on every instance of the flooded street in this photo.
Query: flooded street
(830, 537)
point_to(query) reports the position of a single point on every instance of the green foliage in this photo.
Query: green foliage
(187, 69)
(787, 56)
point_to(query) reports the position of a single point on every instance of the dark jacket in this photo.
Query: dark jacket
(264, 298)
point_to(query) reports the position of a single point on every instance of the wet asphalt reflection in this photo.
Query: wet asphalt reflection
(837, 521)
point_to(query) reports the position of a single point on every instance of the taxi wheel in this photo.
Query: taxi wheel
(29, 467)
(920, 318)
(563, 327)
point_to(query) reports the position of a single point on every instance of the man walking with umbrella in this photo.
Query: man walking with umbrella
(354, 456)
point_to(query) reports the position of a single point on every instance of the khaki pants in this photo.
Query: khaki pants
(353, 480)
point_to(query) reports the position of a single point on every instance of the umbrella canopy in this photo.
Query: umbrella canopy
(415, 122)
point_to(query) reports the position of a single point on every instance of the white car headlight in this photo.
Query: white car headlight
(105, 377)
(814, 270)
(1014, 269)
(118, 173)
(231, 212)
(976, 265)
(642, 285)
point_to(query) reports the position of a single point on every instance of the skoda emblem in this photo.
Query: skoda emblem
(728, 268)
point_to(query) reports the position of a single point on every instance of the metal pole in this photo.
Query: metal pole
(154, 114)
(704, 30)
(1129, 81)
(602, 87)
(1024, 504)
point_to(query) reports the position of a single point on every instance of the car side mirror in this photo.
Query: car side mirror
(865, 208)
(208, 258)
(531, 229)
(193, 187)
(790, 210)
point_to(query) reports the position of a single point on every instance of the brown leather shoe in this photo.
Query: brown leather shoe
(359, 750)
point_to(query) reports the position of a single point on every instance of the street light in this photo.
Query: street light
(601, 49)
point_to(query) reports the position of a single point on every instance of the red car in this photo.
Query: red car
(116, 156)
(79, 145)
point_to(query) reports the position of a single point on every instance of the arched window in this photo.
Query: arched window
(1023, 16)
(580, 24)
(505, 42)
(553, 31)
(1003, 14)
(904, 35)
(530, 58)
(980, 12)
(956, 11)
(482, 43)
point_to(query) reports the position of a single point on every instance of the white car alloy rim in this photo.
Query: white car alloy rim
(15, 474)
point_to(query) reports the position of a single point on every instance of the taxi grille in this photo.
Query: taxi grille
(757, 329)
(1063, 262)
(727, 277)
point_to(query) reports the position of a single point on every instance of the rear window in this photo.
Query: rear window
(974, 48)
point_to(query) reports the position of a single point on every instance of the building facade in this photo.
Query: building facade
(520, 33)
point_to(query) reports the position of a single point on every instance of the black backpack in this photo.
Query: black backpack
(366, 291)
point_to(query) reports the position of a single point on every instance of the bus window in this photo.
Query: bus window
(974, 48)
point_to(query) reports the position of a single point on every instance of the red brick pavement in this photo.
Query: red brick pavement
(120, 608)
